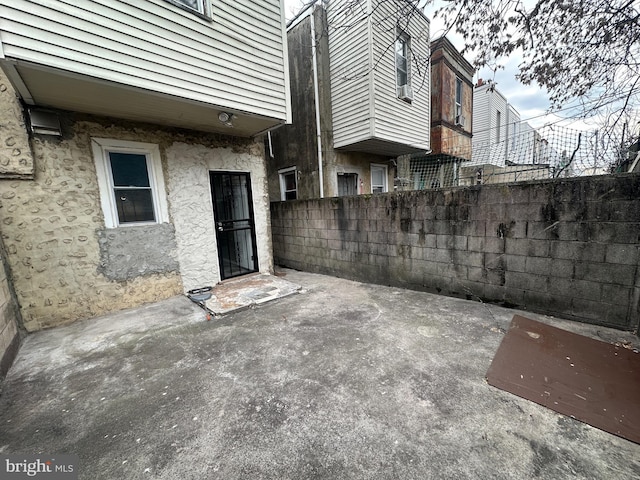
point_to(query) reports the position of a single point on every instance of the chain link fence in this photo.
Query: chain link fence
(550, 152)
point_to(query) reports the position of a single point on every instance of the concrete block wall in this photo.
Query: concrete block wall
(568, 248)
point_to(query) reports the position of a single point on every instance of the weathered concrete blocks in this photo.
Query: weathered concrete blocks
(606, 273)
(542, 245)
(538, 265)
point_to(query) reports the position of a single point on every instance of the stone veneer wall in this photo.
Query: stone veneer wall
(568, 248)
(9, 318)
(66, 265)
(16, 160)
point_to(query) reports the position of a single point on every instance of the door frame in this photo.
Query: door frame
(252, 222)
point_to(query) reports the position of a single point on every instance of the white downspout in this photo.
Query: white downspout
(317, 100)
(270, 144)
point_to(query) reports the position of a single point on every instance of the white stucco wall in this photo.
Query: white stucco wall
(191, 208)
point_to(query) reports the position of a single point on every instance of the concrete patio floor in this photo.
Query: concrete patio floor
(342, 380)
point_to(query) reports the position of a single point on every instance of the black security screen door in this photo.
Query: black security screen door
(235, 228)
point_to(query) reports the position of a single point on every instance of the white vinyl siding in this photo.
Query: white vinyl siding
(480, 119)
(488, 138)
(364, 93)
(512, 124)
(158, 46)
(350, 65)
(395, 119)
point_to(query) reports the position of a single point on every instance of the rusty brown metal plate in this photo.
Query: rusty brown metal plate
(592, 381)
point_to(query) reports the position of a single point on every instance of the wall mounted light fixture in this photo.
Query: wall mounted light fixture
(226, 118)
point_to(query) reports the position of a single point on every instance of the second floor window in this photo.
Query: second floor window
(403, 69)
(459, 102)
(194, 5)
(402, 60)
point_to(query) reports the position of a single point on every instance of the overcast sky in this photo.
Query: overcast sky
(529, 100)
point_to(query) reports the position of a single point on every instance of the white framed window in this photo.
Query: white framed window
(196, 6)
(379, 179)
(459, 117)
(403, 67)
(498, 125)
(130, 181)
(288, 183)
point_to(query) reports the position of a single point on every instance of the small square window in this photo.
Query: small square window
(130, 182)
(288, 184)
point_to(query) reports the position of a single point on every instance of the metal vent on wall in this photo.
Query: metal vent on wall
(44, 122)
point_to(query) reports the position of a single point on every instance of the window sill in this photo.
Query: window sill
(203, 16)
(136, 224)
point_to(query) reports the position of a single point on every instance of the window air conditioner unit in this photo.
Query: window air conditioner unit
(405, 93)
(460, 120)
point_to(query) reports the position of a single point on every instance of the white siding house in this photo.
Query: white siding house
(361, 93)
(490, 132)
(504, 148)
(370, 114)
(512, 127)
(159, 61)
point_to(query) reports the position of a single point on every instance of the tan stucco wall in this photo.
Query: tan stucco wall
(354, 162)
(51, 224)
